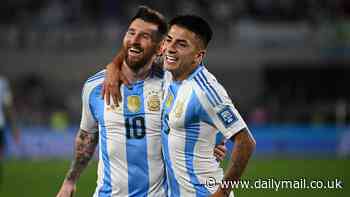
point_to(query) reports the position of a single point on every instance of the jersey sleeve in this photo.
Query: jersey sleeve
(219, 108)
(88, 123)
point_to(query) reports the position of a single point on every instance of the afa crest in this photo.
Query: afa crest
(153, 102)
(134, 103)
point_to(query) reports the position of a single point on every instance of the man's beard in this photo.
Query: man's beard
(136, 65)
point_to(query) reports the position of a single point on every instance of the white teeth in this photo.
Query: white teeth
(171, 59)
(135, 50)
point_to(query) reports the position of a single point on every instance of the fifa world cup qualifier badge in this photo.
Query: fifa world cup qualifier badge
(227, 116)
(134, 103)
(153, 102)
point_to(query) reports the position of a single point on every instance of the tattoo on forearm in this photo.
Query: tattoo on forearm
(85, 145)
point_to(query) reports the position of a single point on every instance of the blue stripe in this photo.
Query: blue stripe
(96, 75)
(195, 73)
(219, 137)
(211, 87)
(165, 184)
(97, 108)
(96, 78)
(208, 89)
(192, 133)
(200, 85)
(203, 115)
(173, 185)
(136, 145)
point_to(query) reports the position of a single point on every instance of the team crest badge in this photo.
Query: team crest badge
(134, 103)
(153, 103)
(179, 109)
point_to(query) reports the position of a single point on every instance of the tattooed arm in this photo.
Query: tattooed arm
(244, 145)
(85, 144)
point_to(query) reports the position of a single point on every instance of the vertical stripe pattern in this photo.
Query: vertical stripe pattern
(97, 107)
(136, 141)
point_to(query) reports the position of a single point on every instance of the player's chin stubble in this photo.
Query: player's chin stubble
(136, 65)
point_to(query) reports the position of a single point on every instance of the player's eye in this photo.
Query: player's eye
(130, 33)
(182, 45)
(167, 40)
(146, 36)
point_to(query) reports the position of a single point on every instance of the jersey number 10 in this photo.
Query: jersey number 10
(135, 127)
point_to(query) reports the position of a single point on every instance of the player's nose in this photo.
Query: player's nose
(171, 48)
(135, 39)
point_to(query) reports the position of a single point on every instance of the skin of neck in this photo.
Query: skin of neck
(136, 75)
(182, 74)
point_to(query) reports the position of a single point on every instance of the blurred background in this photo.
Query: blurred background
(285, 64)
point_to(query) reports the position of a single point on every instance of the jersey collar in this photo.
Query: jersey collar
(196, 71)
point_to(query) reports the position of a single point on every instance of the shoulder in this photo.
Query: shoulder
(208, 87)
(96, 77)
(204, 77)
(93, 81)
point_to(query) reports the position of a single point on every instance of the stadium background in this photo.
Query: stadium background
(284, 63)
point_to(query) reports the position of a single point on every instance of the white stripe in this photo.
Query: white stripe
(205, 165)
(116, 145)
(88, 123)
(153, 125)
(177, 142)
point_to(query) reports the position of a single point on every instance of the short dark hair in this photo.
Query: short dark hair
(196, 24)
(152, 16)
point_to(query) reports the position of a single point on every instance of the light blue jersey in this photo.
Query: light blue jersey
(130, 158)
(193, 112)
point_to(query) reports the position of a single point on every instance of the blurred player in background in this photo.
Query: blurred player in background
(129, 135)
(6, 117)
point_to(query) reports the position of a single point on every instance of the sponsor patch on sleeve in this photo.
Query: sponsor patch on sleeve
(227, 116)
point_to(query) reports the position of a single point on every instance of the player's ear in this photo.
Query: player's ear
(199, 56)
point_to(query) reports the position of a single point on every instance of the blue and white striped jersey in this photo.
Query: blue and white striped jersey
(193, 112)
(130, 157)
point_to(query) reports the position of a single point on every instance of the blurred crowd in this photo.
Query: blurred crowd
(65, 25)
(26, 23)
(99, 11)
